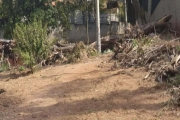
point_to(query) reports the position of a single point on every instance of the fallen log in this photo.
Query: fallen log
(158, 26)
(138, 31)
(166, 18)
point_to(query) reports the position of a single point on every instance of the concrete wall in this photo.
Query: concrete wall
(168, 7)
(78, 32)
(78, 18)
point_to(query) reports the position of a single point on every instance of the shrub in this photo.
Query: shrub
(32, 43)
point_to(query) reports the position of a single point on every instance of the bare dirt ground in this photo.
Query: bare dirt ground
(89, 90)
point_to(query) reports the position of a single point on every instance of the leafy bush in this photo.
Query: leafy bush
(32, 43)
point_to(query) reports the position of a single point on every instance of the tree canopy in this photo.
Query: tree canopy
(17, 11)
(53, 15)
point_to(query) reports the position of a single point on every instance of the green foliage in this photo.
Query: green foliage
(4, 67)
(32, 43)
(142, 42)
(62, 16)
(18, 11)
(107, 51)
(178, 49)
(21, 68)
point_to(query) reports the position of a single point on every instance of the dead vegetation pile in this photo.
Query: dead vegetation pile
(79, 52)
(70, 52)
(142, 46)
(159, 59)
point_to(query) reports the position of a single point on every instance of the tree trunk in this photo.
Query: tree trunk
(139, 13)
(158, 26)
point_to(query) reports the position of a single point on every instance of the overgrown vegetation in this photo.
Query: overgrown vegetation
(32, 43)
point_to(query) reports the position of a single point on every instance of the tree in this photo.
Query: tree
(18, 11)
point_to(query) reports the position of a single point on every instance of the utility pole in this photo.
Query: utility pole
(98, 33)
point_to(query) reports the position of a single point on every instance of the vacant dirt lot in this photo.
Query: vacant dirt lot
(90, 90)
